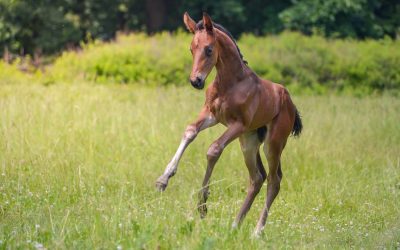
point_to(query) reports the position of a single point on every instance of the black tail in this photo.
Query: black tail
(298, 125)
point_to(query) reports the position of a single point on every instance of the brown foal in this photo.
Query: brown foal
(254, 110)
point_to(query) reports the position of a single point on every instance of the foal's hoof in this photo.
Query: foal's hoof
(258, 233)
(202, 208)
(161, 184)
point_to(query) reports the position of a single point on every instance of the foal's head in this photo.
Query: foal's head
(203, 47)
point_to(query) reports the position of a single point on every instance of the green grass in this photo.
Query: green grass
(78, 165)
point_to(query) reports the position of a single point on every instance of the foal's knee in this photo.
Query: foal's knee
(273, 177)
(257, 183)
(214, 151)
(190, 133)
(274, 181)
(280, 174)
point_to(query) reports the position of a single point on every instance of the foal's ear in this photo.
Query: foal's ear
(190, 24)
(207, 22)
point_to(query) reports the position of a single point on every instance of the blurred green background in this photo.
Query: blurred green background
(52, 25)
(341, 46)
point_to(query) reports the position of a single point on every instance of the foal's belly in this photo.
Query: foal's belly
(255, 105)
(254, 115)
(264, 114)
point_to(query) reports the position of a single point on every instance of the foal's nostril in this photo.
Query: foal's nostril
(198, 83)
(195, 82)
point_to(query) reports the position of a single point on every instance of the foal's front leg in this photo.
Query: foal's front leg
(205, 120)
(213, 154)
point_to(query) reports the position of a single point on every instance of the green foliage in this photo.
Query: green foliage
(344, 18)
(317, 65)
(264, 18)
(49, 26)
(78, 165)
(306, 64)
(12, 73)
(230, 12)
(33, 26)
(160, 59)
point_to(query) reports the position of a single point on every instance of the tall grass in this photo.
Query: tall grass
(78, 165)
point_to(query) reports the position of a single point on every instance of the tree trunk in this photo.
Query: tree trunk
(155, 15)
(6, 55)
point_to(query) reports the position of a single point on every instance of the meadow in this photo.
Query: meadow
(78, 164)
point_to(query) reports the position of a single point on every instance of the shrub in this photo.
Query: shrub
(135, 58)
(307, 64)
(319, 64)
(18, 72)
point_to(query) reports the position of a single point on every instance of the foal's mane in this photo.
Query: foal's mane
(200, 26)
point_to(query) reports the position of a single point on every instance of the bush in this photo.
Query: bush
(317, 64)
(18, 72)
(136, 58)
(305, 64)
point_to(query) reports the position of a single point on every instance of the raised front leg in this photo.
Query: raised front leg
(205, 120)
(213, 154)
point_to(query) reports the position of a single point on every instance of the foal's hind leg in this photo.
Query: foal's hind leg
(250, 145)
(278, 133)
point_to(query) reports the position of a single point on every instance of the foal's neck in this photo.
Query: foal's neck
(230, 66)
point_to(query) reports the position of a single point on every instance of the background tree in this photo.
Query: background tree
(344, 18)
(48, 26)
(35, 25)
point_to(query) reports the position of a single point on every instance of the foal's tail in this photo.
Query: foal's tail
(298, 125)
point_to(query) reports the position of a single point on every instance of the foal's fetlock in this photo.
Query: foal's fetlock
(235, 225)
(258, 232)
(161, 183)
(202, 208)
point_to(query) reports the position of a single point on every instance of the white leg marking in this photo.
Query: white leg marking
(188, 137)
(173, 165)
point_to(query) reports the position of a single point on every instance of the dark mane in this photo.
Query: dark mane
(200, 26)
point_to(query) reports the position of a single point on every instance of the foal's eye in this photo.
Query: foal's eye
(208, 50)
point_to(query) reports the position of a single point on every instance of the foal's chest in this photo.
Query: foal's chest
(226, 107)
(222, 110)
(216, 107)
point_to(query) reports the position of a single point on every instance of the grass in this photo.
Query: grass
(78, 165)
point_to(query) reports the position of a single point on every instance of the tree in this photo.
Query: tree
(29, 26)
(344, 18)
(48, 26)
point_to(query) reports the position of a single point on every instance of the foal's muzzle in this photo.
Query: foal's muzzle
(198, 83)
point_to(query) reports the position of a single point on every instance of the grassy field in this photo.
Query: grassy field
(78, 164)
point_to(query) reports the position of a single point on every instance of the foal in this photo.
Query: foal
(254, 110)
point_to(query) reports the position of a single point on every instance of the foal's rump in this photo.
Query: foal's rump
(287, 117)
(287, 100)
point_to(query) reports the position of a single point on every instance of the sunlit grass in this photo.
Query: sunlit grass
(78, 165)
